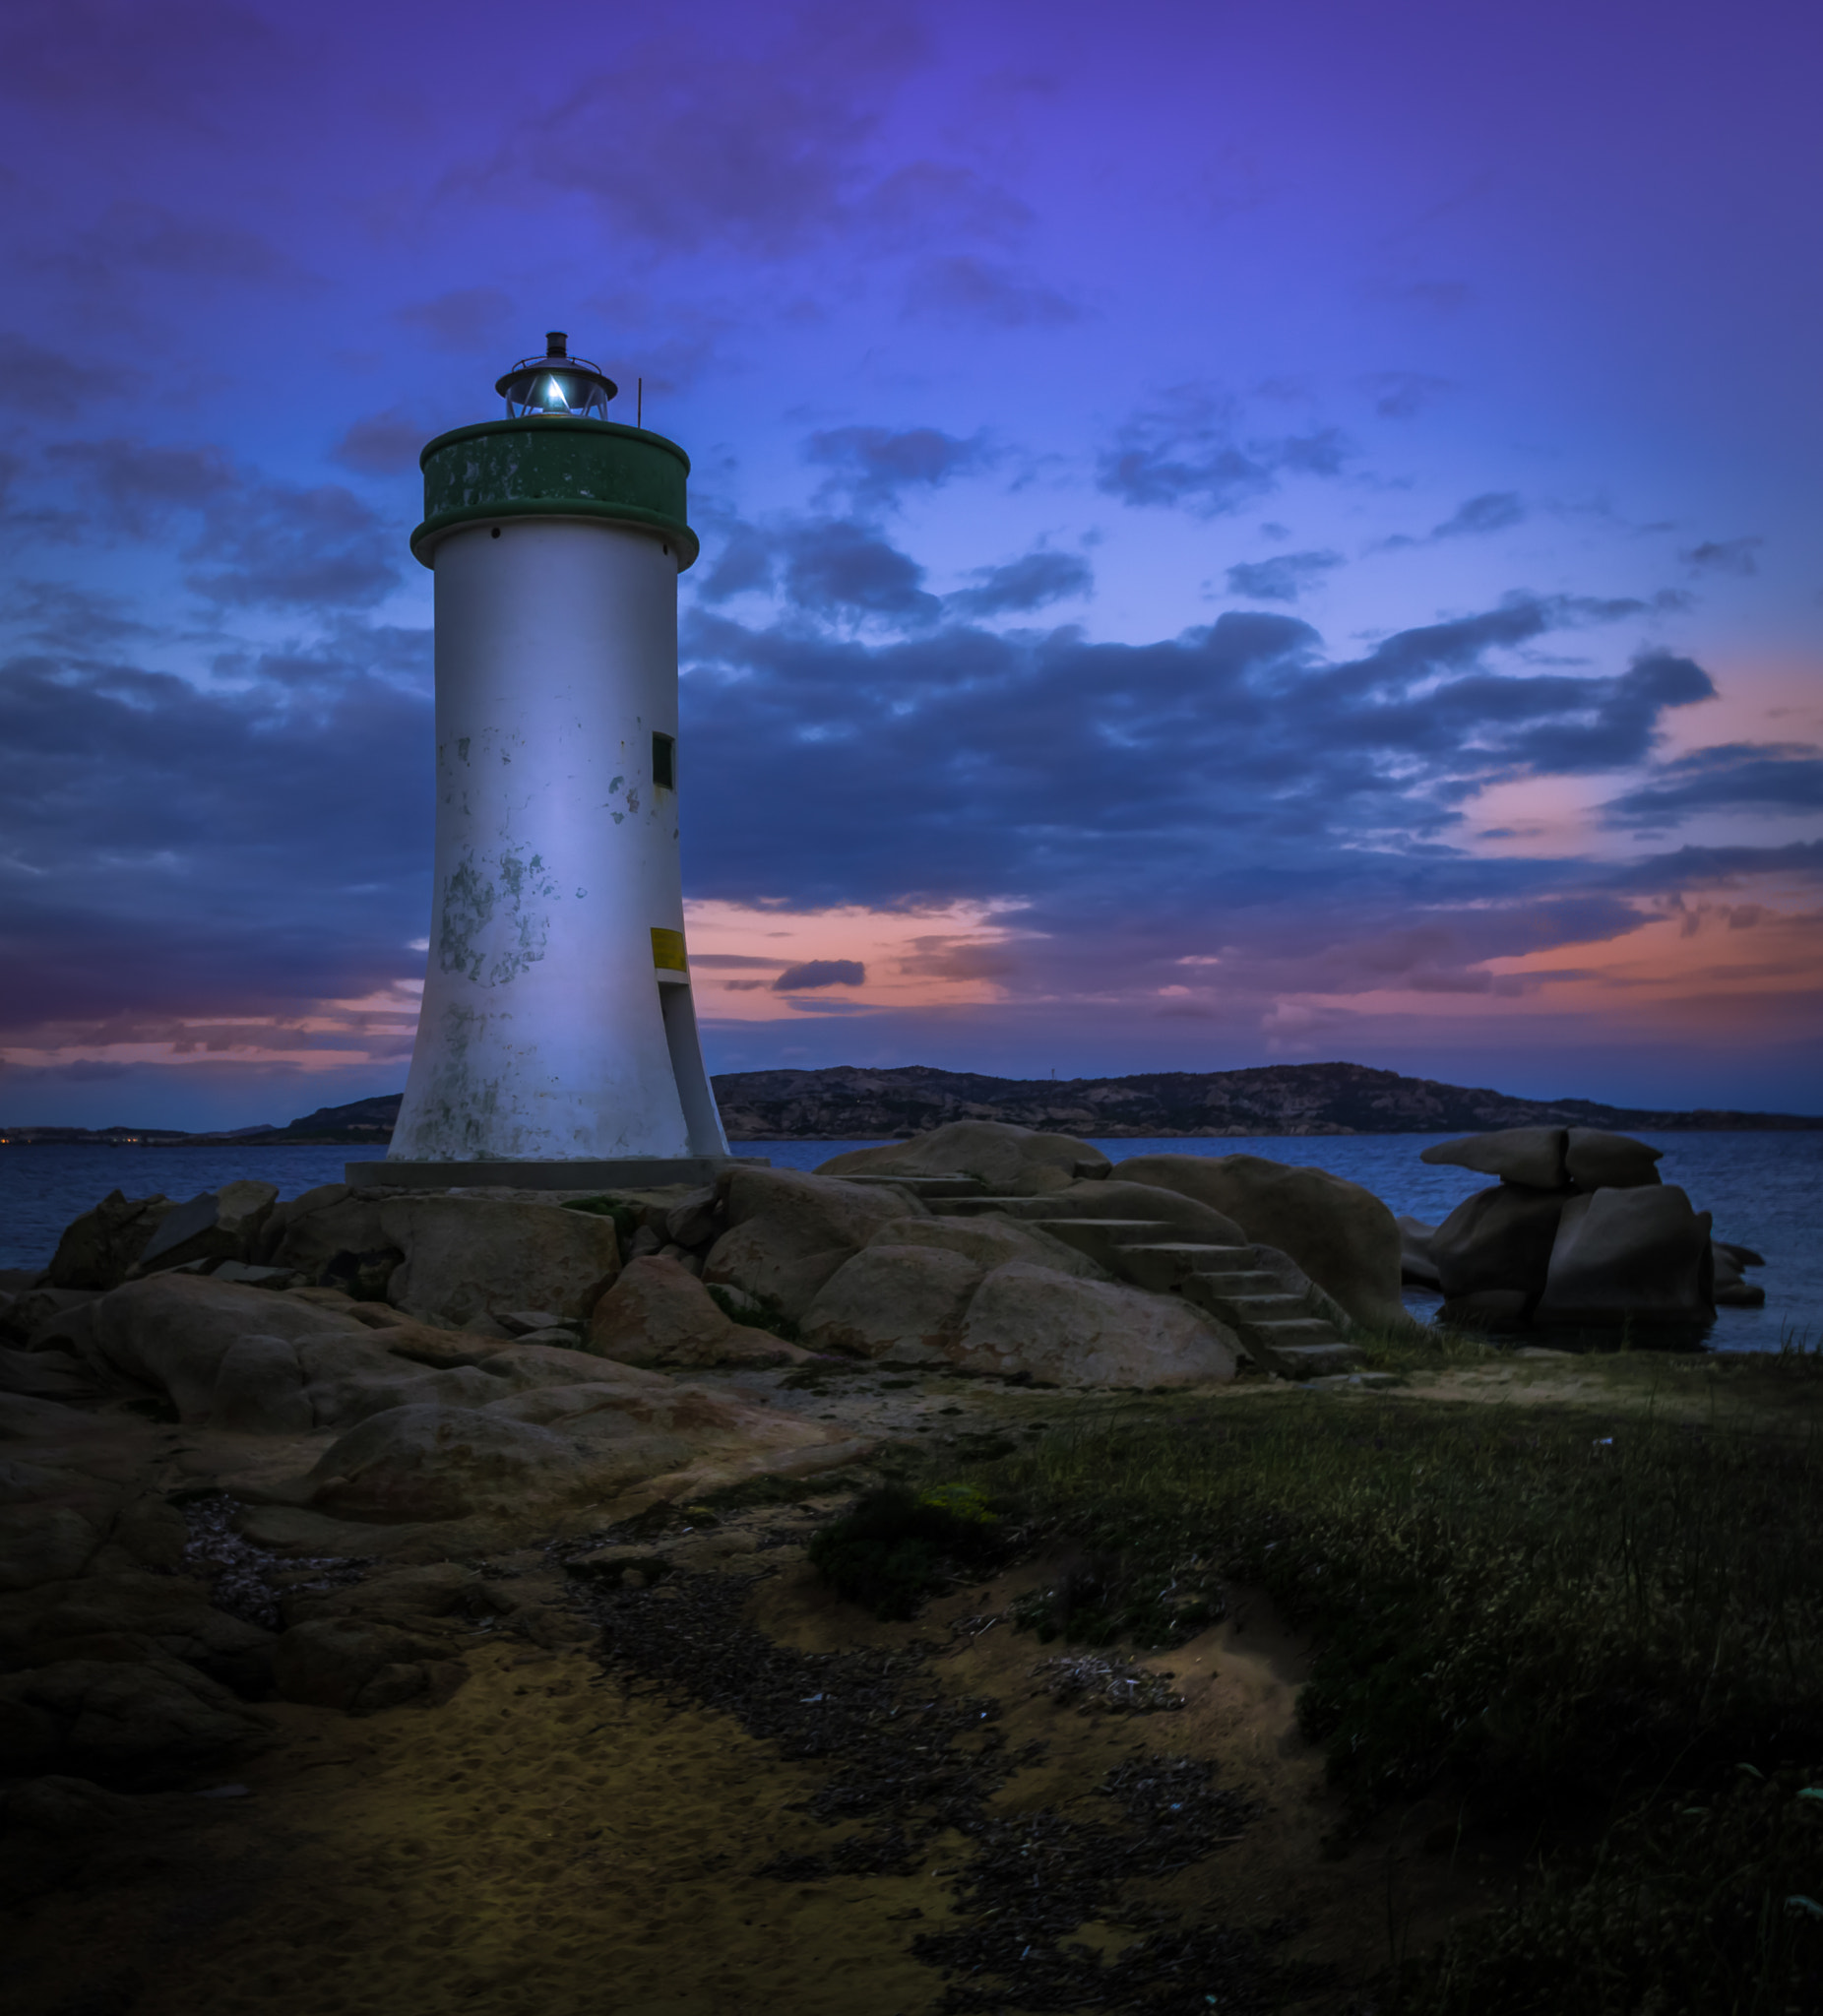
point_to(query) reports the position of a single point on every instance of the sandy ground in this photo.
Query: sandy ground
(548, 1843)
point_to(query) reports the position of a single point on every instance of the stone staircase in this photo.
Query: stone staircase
(1271, 1312)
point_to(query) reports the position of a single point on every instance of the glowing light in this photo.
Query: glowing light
(556, 395)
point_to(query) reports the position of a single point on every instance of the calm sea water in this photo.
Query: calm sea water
(1765, 1190)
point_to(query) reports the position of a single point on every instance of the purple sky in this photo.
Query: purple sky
(1230, 534)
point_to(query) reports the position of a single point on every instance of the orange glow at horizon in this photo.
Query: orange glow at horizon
(939, 958)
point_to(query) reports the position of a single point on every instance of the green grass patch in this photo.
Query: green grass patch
(1422, 1347)
(1528, 1602)
(1704, 1906)
(1605, 1630)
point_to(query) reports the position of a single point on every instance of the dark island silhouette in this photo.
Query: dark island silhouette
(851, 1103)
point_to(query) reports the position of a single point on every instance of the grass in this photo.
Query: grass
(1422, 1347)
(1603, 1631)
(1709, 1907)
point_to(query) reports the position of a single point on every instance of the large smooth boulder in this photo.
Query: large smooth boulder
(906, 1303)
(1595, 1161)
(260, 1389)
(411, 1365)
(436, 1463)
(333, 1238)
(1012, 1162)
(1498, 1240)
(218, 1225)
(39, 1316)
(129, 1612)
(97, 1248)
(171, 1332)
(468, 1256)
(1531, 1156)
(658, 1313)
(1417, 1263)
(1640, 1252)
(41, 1542)
(363, 1664)
(1340, 1235)
(105, 1719)
(50, 1374)
(1732, 1290)
(788, 1232)
(1030, 1321)
(991, 1242)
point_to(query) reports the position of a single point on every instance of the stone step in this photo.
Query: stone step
(978, 1206)
(1165, 1265)
(1245, 1280)
(1247, 1313)
(1105, 1239)
(1285, 1333)
(927, 1187)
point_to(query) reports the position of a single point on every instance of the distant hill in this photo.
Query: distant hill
(847, 1103)
(363, 1123)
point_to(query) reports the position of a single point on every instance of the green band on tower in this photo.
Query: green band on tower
(550, 467)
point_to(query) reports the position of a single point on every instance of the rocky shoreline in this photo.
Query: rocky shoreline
(282, 1473)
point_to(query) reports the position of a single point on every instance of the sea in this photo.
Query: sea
(1765, 1191)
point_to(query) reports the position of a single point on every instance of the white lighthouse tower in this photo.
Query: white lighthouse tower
(557, 1044)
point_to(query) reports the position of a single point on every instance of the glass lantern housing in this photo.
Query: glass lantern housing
(556, 384)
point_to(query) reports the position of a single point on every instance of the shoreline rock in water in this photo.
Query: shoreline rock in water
(1579, 1232)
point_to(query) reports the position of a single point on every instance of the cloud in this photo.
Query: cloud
(1033, 582)
(1723, 556)
(1770, 778)
(35, 379)
(281, 545)
(1186, 449)
(874, 466)
(121, 63)
(755, 133)
(1231, 772)
(1491, 511)
(1710, 867)
(959, 287)
(384, 444)
(168, 853)
(1402, 395)
(57, 617)
(141, 484)
(150, 239)
(820, 973)
(1283, 578)
(463, 319)
(833, 570)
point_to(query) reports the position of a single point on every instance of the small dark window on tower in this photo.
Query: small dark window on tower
(664, 762)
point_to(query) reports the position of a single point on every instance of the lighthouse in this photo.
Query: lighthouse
(557, 1043)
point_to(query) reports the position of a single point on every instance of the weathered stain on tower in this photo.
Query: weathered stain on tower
(557, 1028)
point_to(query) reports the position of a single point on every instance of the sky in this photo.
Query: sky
(1232, 533)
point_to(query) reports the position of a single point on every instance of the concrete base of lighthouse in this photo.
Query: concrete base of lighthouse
(649, 1174)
